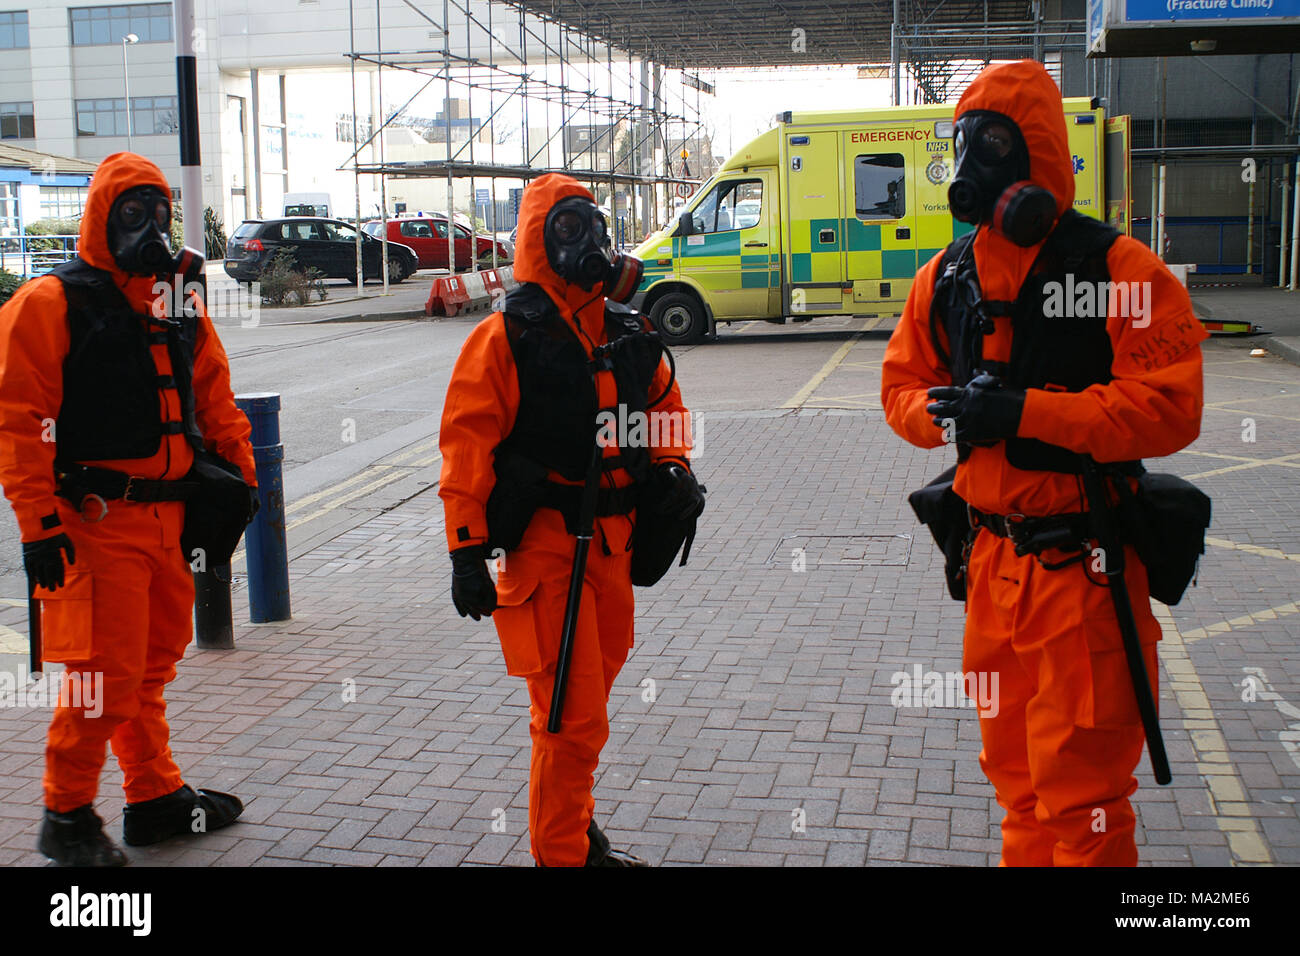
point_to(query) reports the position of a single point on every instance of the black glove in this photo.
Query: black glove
(472, 589)
(983, 411)
(254, 503)
(684, 498)
(43, 560)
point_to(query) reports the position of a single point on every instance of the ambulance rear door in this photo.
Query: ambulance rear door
(1084, 125)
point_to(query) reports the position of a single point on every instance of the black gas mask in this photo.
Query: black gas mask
(579, 250)
(991, 182)
(139, 223)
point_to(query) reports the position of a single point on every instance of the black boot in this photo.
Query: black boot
(177, 813)
(77, 838)
(600, 853)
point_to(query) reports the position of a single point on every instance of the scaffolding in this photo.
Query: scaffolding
(617, 111)
(940, 50)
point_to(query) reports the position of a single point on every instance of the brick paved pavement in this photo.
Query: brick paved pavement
(771, 738)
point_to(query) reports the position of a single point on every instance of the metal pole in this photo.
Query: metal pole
(254, 81)
(894, 55)
(473, 191)
(446, 116)
(187, 100)
(1281, 253)
(383, 178)
(1295, 231)
(264, 541)
(126, 81)
(1160, 237)
(356, 160)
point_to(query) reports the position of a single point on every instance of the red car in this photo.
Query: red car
(427, 235)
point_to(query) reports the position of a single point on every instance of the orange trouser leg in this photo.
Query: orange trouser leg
(533, 592)
(1062, 749)
(121, 622)
(141, 743)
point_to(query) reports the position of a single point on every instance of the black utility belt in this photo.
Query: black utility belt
(567, 499)
(1034, 535)
(76, 483)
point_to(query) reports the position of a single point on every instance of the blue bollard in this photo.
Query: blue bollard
(264, 541)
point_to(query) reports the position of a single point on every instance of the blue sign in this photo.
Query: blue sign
(1096, 14)
(483, 195)
(1182, 10)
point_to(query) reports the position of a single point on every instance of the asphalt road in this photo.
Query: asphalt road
(361, 403)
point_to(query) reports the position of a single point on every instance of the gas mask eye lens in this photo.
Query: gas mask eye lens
(994, 142)
(598, 228)
(568, 226)
(132, 213)
(162, 215)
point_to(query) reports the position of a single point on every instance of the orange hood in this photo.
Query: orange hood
(115, 175)
(531, 264)
(1025, 93)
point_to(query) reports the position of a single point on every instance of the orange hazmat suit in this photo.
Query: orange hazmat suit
(124, 611)
(483, 398)
(1066, 737)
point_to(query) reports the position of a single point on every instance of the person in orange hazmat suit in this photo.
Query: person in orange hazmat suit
(518, 434)
(105, 401)
(1000, 351)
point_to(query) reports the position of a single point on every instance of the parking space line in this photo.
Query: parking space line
(1242, 622)
(831, 364)
(1285, 460)
(1213, 761)
(1252, 549)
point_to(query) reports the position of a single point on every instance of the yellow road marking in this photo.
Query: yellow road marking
(1249, 411)
(1258, 463)
(13, 602)
(824, 372)
(1242, 622)
(394, 474)
(334, 489)
(1213, 762)
(11, 642)
(1252, 549)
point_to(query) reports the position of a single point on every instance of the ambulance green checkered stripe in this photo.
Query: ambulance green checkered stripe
(861, 236)
(714, 244)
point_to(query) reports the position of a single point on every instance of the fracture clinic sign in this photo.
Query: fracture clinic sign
(1174, 27)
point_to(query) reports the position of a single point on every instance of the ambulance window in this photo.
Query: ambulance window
(878, 186)
(736, 204)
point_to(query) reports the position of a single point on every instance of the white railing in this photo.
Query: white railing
(30, 256)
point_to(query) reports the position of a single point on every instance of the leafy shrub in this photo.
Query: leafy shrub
(283, 283)
(214, 235)
(9, 283)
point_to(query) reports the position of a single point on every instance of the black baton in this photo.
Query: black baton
(33, 627)
(1103, 524)
(586, 529)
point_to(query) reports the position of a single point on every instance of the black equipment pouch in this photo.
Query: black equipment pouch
(1165, 521)
(218, 511)
(657, 538)
(944, 512)
(520, 489)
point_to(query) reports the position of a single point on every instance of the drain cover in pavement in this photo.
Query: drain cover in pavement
(843, 550)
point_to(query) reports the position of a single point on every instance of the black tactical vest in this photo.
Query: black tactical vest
(556, 421)
(111, 405)
(1059, 352)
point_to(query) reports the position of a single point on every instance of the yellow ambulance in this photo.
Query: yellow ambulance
(832, 213)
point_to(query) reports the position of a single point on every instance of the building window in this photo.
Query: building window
(93, 26)
(13, 30)
(878, 186)
(9, 209)
(62, 202)
(153, 114)
(149, 115)
(17, 121)
(343, 128)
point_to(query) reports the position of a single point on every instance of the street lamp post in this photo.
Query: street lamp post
(126, 80)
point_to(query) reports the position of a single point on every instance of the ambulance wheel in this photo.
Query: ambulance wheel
(679, 318)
